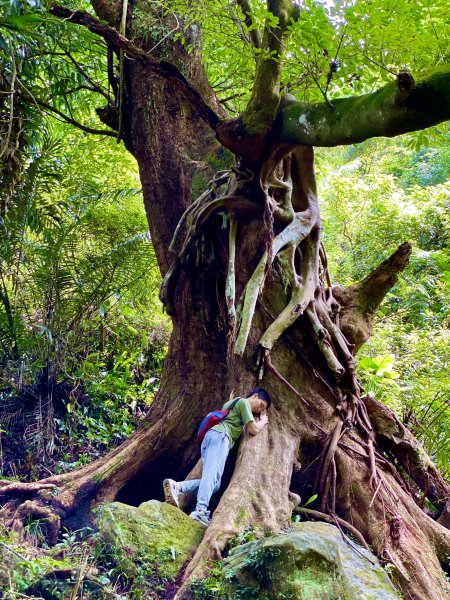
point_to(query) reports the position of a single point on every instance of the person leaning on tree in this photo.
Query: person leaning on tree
(215, 448)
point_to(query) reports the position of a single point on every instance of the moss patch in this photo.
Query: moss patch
(150, 542)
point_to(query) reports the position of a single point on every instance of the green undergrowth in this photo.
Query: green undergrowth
(30, 568)
(79, 564)
(115, 398)
(213, 586)
(100, 403)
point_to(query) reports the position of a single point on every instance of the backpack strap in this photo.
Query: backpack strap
(233, 404)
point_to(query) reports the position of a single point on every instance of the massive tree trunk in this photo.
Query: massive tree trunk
(255, 236)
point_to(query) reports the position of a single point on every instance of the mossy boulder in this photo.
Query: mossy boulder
(313, 561)
(150, 542)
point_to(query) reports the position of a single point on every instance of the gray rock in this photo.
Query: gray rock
(313, 561)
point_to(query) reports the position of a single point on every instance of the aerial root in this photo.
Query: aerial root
(285, 189)
(325, 479)
(325, 271)
(265, 361)
(352, 414)
(294, 233)
(230, 286)
(285, 195)
(374, 477)
(413, 462)
(294, 499)
(333, 479)
(324, 342)
(315, 514)
(387, 556)
(304, 287)
(194, 219)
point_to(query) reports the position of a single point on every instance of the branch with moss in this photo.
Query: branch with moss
(399, 107)
(263, 104)
(247, 135)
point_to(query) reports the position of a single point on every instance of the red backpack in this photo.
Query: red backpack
(212, 418)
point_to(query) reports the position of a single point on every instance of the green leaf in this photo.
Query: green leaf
(310, 500)
(384, 364)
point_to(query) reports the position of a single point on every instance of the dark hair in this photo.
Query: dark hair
(262, 394)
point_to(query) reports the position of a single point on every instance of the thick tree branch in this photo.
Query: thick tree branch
(162, 68)
(373, 288)
(247, 135)
(360, 301)
(399, 107)
(263, 104)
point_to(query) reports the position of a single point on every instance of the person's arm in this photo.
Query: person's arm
(254, 427)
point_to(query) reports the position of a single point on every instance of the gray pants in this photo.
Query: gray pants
(215, 448)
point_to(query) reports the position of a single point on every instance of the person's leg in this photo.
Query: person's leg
(215, 449)
(173, 489)
(189, 486)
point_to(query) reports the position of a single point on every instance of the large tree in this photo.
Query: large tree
(246, 279)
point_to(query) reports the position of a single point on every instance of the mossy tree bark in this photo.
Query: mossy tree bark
(272, 307)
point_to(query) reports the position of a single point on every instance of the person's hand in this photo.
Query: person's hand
(264, 419)
(258, 425)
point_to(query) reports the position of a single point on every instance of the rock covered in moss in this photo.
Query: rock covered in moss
(150, 542)
(313, 561)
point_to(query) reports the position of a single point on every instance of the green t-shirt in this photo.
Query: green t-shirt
(237, 419)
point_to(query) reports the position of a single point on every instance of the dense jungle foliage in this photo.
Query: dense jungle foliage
(82, 332)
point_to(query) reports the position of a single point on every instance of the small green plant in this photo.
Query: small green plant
(259, 562)
(212, 587)
(34, 531)
(311, 499)
(146, 580)
(26, 563)
(248, 535)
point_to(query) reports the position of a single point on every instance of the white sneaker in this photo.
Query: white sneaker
(201, 516)
(172, 492)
